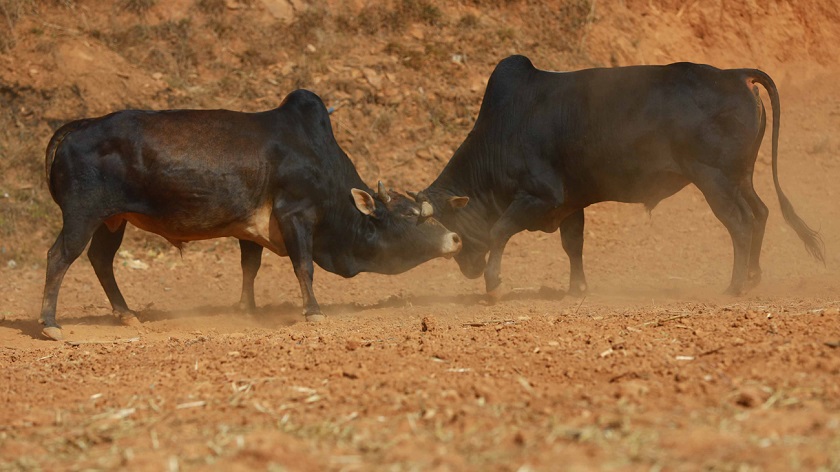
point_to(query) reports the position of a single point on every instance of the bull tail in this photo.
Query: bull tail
(813, 242)
(53, 147)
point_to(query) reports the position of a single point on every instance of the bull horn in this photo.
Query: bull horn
(411, 194)
(382, 193)
(426, 210)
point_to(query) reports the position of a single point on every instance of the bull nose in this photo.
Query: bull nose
(451, 245)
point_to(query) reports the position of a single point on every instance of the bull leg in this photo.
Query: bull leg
(297, 235)
(760, 213)
(525, 212)
(571, 234)
(69, 245)
(251, 258)
(103, 247)
(725, 198)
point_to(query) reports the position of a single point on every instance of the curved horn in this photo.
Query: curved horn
(382, 193)
(426, 210)
(411, 194)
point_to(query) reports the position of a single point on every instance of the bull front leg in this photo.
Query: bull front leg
(526, 212)
(571, 234)
(297, 230)
(251, 259)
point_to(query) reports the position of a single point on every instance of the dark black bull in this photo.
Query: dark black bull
(546, 145)
(275, 179)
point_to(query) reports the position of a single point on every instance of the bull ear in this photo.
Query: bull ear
(458, 202)
(364, 202)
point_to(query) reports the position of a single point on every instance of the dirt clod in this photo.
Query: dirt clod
(428, 323)
(750, 397)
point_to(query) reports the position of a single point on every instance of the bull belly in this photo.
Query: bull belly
(260, 227)
(649, 189)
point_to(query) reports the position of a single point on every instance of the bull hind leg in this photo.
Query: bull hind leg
(759, 209)
(571, 235)
(760, 213)
(103, 247)
(725, 197)
(251, 259)
(69, 245)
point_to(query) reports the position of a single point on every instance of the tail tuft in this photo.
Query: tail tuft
(810, 237)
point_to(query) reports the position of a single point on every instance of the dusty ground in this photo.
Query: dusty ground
(653, 370)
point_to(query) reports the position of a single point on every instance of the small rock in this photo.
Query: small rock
(157, 76)
(416, 32)
(372, 77)
(350, 373)
(310, 48)
(632, 390)
(136, 264)
(287, 68)
(11, 264)
(352, 344)
(428, 323)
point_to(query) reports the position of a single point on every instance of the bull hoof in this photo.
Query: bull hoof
(129, 319)
(493, 296)
(734, 291)
(315, 318)
(53, 333)
(246, 308)
(578, 290)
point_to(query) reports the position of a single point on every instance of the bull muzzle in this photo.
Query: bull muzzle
(452, 245)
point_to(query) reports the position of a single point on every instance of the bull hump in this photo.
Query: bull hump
(507, 79)
(515, 62)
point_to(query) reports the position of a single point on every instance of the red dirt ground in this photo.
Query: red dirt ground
(654, 370)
